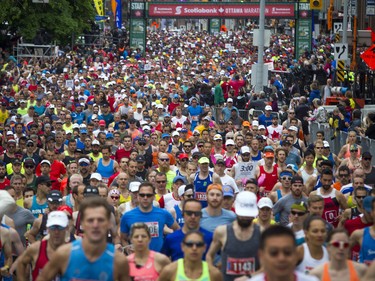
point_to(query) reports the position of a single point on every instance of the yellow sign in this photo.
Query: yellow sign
(99, 7)
(340, 73)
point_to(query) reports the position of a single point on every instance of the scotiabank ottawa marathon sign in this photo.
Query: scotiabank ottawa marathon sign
(218, 10)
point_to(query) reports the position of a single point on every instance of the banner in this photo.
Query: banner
(218, 10)
(138, 26)
(117, 12)
(99, 7)
(214, 26)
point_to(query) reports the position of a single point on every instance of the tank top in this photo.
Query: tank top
(200, 186)
(347, 153)
(105, 171)
(143, 273)
(308, 263)
(352, 272)
(41, 261)
(318, 183)
(80, 268)
(330, 158)
(279, 195)
(43, 226)
(240, 257)
(268, 180)
(179, 216)
(37, 209)
(258, 157)
(331, 207)
(306, 176)
(354, 213)
(367, 252)
(8, 159)
(370, 178)
(297, 145)
(181, 276)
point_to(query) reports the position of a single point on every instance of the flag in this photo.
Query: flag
(117, 12)
(99, 7)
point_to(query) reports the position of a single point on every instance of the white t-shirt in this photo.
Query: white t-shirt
(228, 180)
(178, 122)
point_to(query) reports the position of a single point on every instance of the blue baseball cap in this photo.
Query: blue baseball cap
(367, 203)
(165, 135)
(228, 191)
(109, 136)
(83, 131)
(181, 178)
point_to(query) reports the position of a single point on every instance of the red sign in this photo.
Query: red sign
(218, 10)
(368, 57)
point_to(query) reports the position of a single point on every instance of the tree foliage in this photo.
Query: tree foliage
(58, 18)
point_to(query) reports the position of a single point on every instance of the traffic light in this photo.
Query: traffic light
(316, 4)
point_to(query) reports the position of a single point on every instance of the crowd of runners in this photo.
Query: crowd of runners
(167, 165)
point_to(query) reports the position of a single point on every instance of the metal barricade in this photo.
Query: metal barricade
(336, 143)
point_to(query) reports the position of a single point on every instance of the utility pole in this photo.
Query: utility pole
(259, 80)
(345, 23)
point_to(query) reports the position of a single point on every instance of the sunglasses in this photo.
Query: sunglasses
(355, 150)
(190, 213)
(191, 244)
(142, 143)
(164, 159)
(286, 178)
(367, 159)
(300, 214)
(361, 197)
(343, 175)
(187, 146)
(320, 147)
(161, 181)
(56, 227)
(29, 167)
(29, 145)
(143, 195)
(340, 244)
(189, 195)
(115, 197)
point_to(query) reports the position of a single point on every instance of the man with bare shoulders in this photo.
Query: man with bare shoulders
(238, 241)
(191, 267)
(38, 253)
(91, 258)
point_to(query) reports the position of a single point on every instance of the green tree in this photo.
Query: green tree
(58, 18)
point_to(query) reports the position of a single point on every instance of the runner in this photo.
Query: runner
(278, 256)
(339, 267)
(191, 266)
(91, 258)
(39, 253)
(239, 240)
(143, 263)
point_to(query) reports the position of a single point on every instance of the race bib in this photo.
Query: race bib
(194, 118)
(153, 228)
(240, 266)
(331, 216)
(201, 196)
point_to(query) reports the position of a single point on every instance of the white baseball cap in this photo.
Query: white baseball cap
(265, 202)
(134, 186)
(96, 176)
(245, 149)
(218, 137)
(246, 204)
(230, 100)
(59, 218)
(229, 142)
(293, 128)
(268, 107)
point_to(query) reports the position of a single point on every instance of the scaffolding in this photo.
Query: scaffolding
(26, 50)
